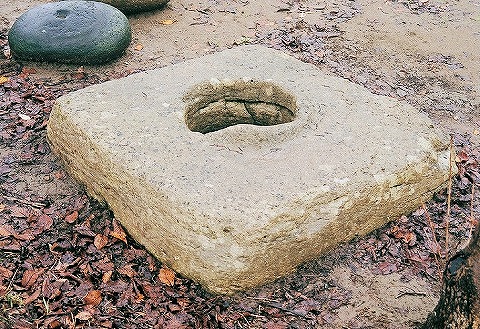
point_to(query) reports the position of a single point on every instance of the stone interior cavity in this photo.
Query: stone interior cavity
(216, 105)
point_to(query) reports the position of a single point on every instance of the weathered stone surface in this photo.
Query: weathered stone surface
(239, 206)
(80, 32)
(135, 6)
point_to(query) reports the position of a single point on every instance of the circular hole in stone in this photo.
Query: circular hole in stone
(62, 13)
(215, 105)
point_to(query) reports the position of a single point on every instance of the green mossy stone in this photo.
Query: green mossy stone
(77, 32)
(135, 6)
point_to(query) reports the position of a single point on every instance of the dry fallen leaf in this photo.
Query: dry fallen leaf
(407, 237)
(71, 217)
(7, 53)
(174, 307)
(118, 232)
(106, 276)
(52, 246)
(167, 276)
(151, 263)
(44, 222)
(78, 75)
(183, 302)
(167, 21)
(53, 324)
(7, 230)
(462, 156)
(387, 267)
(127, 270)
(100, 241)
(138, 47)
(24, 236)
(59, 174)
(26, 71)
(93, 297)
(5, 273)
(24, 117)
(32, 297)
(29, 278)
(139, 298)
(107, 324)
(3, 79)
(29, 70)
(83, 316)
(19, 212)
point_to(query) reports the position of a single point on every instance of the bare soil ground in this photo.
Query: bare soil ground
(64, 260)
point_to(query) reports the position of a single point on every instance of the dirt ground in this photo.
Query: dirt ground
(424, 52)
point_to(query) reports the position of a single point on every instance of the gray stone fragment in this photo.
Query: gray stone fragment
(135, 6)
(218, 115)
(79, 32)
(267, 114)
(239, 206)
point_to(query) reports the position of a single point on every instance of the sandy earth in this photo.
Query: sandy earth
(426, 53)
(398, 44)
(432, 51)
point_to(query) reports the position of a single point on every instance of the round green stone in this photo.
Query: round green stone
(135, 6)
(79, 32)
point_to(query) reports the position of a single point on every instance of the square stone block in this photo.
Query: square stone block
(236, 167)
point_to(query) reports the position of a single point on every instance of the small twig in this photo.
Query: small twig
(449, 196)
(11, 281)
(410, 293)
(248, 323)
(277, 305)
(472, 218)
(281, 308)
(201, 11)
(263, 299)
(46, 305)
(430, 223)
(223, 147)
(256, 315)
(71, 276)
(30, 203)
